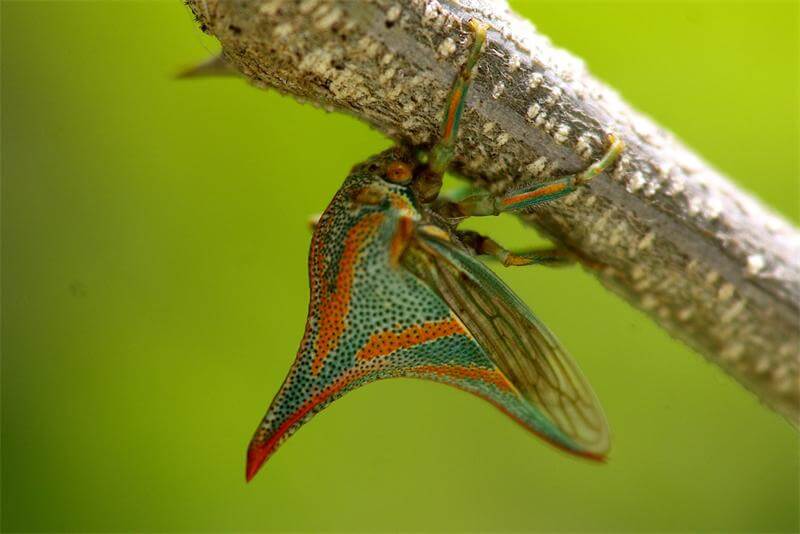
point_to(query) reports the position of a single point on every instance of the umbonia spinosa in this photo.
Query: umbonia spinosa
(396, 291)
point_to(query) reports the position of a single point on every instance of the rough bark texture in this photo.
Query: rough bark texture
(704, 259)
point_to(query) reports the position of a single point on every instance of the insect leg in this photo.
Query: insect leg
(557, 188)
(483, 204)
(486, 246)
(429, 182)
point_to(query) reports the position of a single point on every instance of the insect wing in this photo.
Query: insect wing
(517, 342)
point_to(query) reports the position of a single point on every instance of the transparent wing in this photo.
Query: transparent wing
(518, 343)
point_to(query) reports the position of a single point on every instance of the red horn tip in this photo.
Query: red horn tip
(256, 454)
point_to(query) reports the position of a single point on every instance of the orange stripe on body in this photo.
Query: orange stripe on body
(334, 305)
(263, 445)
(490, 376)
(385, 343)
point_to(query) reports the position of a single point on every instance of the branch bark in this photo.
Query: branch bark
(704, 259)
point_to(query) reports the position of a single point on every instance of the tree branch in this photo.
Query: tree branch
(674, 237)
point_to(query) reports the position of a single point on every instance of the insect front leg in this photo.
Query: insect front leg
(429, 182)
(483, 204)
(486, 246)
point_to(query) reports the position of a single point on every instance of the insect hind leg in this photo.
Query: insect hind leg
(486, 246)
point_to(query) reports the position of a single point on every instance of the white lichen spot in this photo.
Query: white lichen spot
(676, 185)
(695, 205)
(780, 372)
(431, 14)
(270, 8)
(570, 199)
(393, 13)
(645, 242)
(317, 61)
(732, 352)
(496, 167)
(537, 167)
(533, 110)
(535, 80)
(554, 96)
(477, 161)
(642, 285)
(649, 302)
(755, 264)
(498, 89)
(513, 62)
(584, 147)
(349, 85)
(725, 292)
(774, 224)
(503, 139)
(282, 31)
(488, 127)
(650, 188)
(601, 224)
(635, 183)
(410, 124)
(762, 365)
(386, 76)
(321, 11)
(387, 58)
(307, 6)
(731, 313)
(589, 201)
(549, 124)
(621, 168)
(713, 208)
(787, 385)
(685, 314)
(609, 271)
(725, 333)
(395, 93)
(787, 349)
(364, 44)
(562, 134)
(446, 48)
(416, 80)
(541, 118)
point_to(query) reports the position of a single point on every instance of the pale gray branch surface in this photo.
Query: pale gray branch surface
(704, 259)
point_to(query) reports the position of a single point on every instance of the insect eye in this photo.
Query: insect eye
(370, 194)
(398, 172)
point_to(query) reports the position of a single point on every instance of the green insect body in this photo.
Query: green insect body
(395, 291)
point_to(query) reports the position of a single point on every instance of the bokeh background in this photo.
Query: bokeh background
(154, 294)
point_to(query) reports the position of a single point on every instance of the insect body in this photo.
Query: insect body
(396, 292)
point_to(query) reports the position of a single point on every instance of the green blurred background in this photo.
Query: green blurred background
(154, 295)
